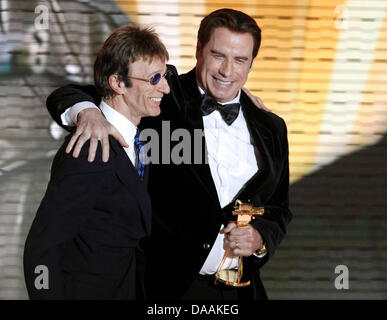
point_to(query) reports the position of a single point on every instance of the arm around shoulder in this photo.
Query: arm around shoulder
(65, 97)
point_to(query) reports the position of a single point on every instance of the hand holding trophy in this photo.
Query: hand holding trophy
(245, 212)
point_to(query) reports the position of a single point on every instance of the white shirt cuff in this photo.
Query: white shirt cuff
(70, 116)
(261, 255)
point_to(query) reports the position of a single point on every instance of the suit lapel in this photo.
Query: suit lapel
(192, 99)
(128, 175)
(257, 124)
(193, 120)
(260, 133)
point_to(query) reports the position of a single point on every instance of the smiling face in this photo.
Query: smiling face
(224, 63)
(143, 99)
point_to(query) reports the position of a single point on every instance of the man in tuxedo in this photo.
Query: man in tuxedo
(246, 159)
(84, 242)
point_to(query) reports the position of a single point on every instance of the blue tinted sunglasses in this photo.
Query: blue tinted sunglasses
(154, 80)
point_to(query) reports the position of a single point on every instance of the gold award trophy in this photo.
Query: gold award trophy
(233, 277)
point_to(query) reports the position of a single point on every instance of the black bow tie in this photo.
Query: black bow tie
(229, 112)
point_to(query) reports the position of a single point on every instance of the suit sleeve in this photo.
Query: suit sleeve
(64, 97)
(272, 226)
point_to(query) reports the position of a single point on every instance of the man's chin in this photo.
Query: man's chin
(222, 97)
(220, 94)
(155, 112)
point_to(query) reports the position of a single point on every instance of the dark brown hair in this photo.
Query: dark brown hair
(235, 21)
(125, 45)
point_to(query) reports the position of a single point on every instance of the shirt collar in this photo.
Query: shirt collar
(124, 126)
(235, 100)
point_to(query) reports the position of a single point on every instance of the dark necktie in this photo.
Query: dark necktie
(229, 112)
(139, 155)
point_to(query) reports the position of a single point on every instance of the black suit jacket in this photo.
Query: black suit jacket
(186, 212)
(88, 228)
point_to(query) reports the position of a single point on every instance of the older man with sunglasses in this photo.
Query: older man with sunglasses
(87, 231)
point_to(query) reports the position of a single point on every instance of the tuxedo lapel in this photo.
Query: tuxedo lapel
(192, 99)
(193, 120)
(257, 124)
(260, 133)
(128, 175)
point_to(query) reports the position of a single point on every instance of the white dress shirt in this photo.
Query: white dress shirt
(232, 161)
(124, 126)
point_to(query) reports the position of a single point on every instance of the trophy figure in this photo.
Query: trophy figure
(245, 212)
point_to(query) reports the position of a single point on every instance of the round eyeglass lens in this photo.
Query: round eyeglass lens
(156, 79)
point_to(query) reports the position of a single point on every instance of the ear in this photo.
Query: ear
(116, 85)
(251, 66)
(198, 49)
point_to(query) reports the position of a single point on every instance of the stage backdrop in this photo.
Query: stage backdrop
(322, 66)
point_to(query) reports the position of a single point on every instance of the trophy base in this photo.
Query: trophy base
(230, 278)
